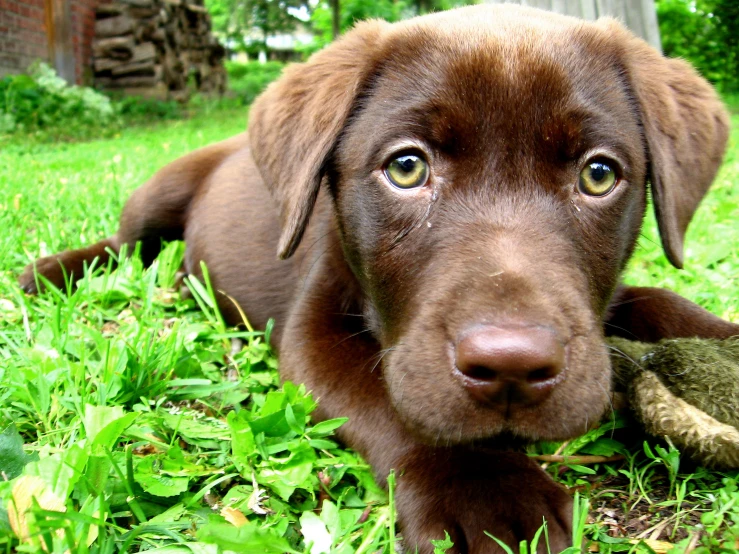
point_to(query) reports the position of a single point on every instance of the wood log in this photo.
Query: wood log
(174, 72)
(118, 48)
(146, 28)
(142, 12)
(159, 36)
(157, 92)
(136, 81)
(141, 53)
(146, 68)
(145, 51)
(194, 8)
(138, 3)
(196, 56)
(105, 64)
(157, 45)
(109, 10)
(114, 26)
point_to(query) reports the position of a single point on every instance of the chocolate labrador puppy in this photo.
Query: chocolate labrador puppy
(437, 213)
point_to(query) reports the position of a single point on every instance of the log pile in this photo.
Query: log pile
(157, 48)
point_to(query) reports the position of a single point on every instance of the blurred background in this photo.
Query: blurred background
(99, 60)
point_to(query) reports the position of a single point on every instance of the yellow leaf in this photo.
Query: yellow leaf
(234, 516)
(660, 547)
(25, 489)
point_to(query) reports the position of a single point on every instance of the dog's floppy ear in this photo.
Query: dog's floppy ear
(294, 124)
(686, 128)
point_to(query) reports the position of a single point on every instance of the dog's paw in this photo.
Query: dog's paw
(470, 493)
(50, 268)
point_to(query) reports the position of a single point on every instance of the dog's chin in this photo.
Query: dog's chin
(442, 413)
(486, 428)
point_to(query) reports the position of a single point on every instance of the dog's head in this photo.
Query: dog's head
(489, 168)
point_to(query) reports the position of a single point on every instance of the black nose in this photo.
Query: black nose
(503, 365)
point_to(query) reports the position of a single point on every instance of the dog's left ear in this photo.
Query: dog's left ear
(295, 123)
(686, 128)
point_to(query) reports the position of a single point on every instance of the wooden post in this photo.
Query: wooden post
(59, 36)
(638, 15)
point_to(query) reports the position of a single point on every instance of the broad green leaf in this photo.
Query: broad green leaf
(327, 427)
(295, 418)
(242, 441)
(442, 545)
(109, 435)
(247, 539)
(162, 485)
(186, 425)
(12, 456)
(97, 472)
(61, 471)
(273, 425)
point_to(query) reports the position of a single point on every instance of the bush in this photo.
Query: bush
(42, 100)
(135, 108)
(247, 80)
(43, 105)
(706, 33)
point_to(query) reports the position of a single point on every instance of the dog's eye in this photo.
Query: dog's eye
(407, 171)
(597, 179)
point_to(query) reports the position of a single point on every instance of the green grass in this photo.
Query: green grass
(155, 427)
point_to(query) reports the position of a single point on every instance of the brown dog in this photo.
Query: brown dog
(475, 182)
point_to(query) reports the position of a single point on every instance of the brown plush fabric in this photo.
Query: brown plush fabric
(686, 390)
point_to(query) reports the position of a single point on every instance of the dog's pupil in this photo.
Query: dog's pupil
(407, 163)
(598, 172)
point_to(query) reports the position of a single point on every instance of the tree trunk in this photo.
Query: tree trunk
(336, 18)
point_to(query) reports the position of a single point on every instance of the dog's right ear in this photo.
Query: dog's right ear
(686, 128)
(294, 124)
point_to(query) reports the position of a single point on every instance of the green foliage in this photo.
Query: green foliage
(721, 520)
(706, 33)
(247, 80)
(136, 108)
(162, 427)
(43, 107)
(237, 20)
(43, 99)
(352, 11)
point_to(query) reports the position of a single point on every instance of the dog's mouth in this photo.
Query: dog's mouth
(550, 390)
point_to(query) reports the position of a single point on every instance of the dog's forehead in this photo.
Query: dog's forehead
(498, 25)
(499, 48)
(486, 72)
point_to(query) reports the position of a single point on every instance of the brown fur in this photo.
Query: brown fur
(378, 286)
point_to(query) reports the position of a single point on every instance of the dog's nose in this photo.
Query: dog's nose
(507, 365)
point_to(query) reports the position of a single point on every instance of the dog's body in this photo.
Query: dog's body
(453, 317)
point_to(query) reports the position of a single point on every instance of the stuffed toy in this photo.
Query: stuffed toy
(686, 390)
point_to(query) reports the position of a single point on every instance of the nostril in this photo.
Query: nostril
(481, 373)
(543, 374)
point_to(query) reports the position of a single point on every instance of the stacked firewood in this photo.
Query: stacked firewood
(157, 48)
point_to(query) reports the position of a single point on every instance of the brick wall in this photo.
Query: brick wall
(23, 36)
(83, 31)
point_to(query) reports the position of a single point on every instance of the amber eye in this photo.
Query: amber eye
(407, 171)
(597, 179)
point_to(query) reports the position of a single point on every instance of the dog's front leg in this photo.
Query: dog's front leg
(651, 314)
(457, 489)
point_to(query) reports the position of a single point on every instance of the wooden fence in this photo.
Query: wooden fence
(638, 15)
